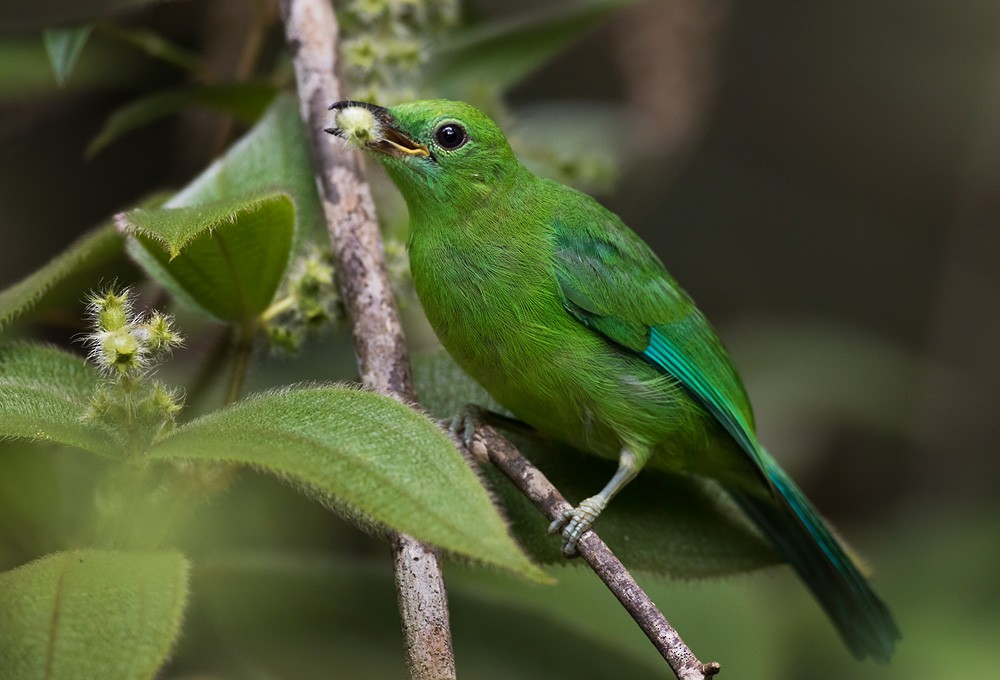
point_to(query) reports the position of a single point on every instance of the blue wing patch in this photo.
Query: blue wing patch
(671, 359)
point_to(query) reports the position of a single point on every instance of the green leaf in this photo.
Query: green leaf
(155, 45)
(226, 258)
(46, 13)
(91, 614)
(244, 101)
(93, 253)
(273, 156)
(364, 454)
(63, 45)
(505, 52)
(44, 393)
(235, 236)
(27, 70)
(676, 525)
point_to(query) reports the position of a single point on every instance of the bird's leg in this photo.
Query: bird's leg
(573, 523)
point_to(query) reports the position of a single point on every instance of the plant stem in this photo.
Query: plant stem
(312, 33)
(276, 308)
(242, 352)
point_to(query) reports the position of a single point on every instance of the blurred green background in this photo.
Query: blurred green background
(823, 178)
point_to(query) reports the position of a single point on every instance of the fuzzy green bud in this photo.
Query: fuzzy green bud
(121, 342)
(111, 311)
(160, 332)
(165, 401)
(120, 350)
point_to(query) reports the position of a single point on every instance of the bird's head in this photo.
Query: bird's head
(436, 151)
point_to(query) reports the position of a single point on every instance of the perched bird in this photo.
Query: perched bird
(572, 323)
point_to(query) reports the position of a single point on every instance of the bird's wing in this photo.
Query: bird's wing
(613, 284)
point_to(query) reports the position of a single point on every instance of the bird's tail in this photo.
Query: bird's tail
(801, 536)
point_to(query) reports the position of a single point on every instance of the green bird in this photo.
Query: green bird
(572, 323)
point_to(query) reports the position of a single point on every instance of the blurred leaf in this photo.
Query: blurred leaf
(63, 45)
(677, 525)
(366, 455)
(44, 393)
(91, 614)
(27, 69)
(244, 101)
(155, 45)
(505, 52)
(47, 13)
(34, 68)
(91, 253)
(226, 257)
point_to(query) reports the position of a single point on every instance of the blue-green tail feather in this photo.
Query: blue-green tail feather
(802, 537)
(785, 516)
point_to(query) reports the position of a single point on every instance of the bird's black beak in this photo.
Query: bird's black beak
(390, 139)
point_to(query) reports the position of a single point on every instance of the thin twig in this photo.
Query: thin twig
(533, 484)
(311, 31)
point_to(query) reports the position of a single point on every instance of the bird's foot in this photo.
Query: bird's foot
(463, 426)
(575, 522)
(464, 429)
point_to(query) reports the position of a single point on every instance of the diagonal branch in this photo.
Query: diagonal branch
(486, 443)
(311, 31)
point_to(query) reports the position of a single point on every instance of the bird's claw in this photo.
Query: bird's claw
(463, 425)
(575, 522)
(463, 428)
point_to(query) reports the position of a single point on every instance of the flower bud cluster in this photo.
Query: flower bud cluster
(123, 343)
(385, 44)
(310, 301)
(126, 345)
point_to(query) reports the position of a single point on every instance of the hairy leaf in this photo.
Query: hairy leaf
(93, 253)
(91, 614)
(228, 235)
(226, 258)
(669, 524)
(63, 45)
(273, 156)
(44, 393)
(363, 454)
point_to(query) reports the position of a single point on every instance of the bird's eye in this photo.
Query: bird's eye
(450, 136)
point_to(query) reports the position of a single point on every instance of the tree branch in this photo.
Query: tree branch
(487, 443)
(311, 31)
